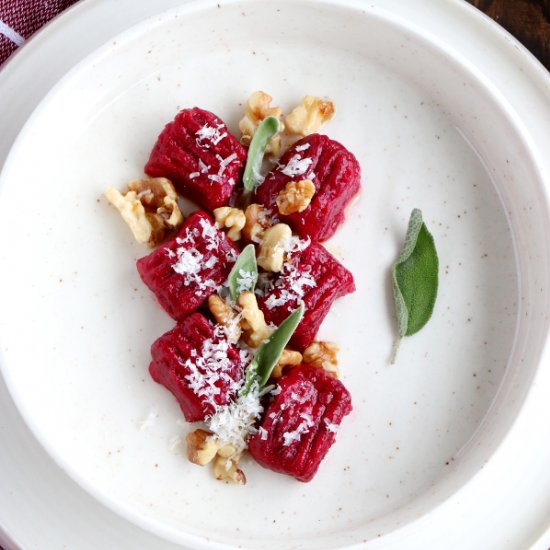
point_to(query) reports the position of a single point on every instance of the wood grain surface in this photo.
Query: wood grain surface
(527, 20)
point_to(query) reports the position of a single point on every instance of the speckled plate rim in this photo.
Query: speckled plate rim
(200, 4)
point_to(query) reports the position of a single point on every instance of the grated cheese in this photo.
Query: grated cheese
(213, 177)
(212, 366)
(296, 166)
(210, 134)
(203, 167)
(234, 423)
(246, 280)
(190, 262)
(224, 163)
(330, 426)
(296, 435)
(292, 285)
(149, 420)
(295, 244)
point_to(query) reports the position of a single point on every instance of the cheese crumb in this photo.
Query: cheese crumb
(292, 285)
(210, 134)
(297, 166)
(330, 426)
(234, 423)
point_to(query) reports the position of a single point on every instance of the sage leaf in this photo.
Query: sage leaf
(267, 355)
(415, 279)
(252, 172)
(244, 274)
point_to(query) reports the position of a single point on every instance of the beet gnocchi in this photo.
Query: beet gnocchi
(248, 281)
(199, 155)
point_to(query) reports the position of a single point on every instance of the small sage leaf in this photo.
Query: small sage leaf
(261, 367)
(415, 279)
(244, 274)
(265, 131)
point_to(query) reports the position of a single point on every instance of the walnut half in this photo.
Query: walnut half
(295, 197)
(323, 355)
(258, 107)
(149, 207)
(308, 117)
(202, 447)
(253, 321)
(272, 248)
(232, 219)
(289, 358)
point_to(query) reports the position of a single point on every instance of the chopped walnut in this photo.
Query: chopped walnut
(257, 221)
(202, 447)
(225, 316)
(149, 207)
(295, 197)
(323, 355)
(288, 358)
(272, 248)
(225, 469)
(308, 117)
(253, 321)
(232, 219)
(258, 107)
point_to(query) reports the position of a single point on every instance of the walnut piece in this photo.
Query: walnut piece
(225, 469)
(272, 248)
(253, 321)
(149, 207)
(202, 447)
(225, 316)
(257, 221)
(288, 358)
(323, 355)
(258, 107)
(295, 197)
(308, 117)
(232, 219)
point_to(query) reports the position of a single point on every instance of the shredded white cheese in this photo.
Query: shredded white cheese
(149, 420)
(224, 163)
(246, 280)
(297, 166)
(210, 367)
(330, 426)
(203, 167)
(232, 331)
(189, 262)
(210, 134)
(292, 285)
(303, 428)
(295, 244)
(234, 423)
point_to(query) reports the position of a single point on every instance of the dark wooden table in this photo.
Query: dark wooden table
(527, 20)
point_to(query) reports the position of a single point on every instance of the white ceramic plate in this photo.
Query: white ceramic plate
(422, 123)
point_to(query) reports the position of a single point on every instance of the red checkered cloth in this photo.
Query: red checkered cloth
(20, 19)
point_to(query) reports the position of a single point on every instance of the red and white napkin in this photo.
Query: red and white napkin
(20, 19)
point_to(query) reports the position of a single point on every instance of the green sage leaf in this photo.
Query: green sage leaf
(415, 278)
(265, 131)
(244, 274)
(267, 355)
